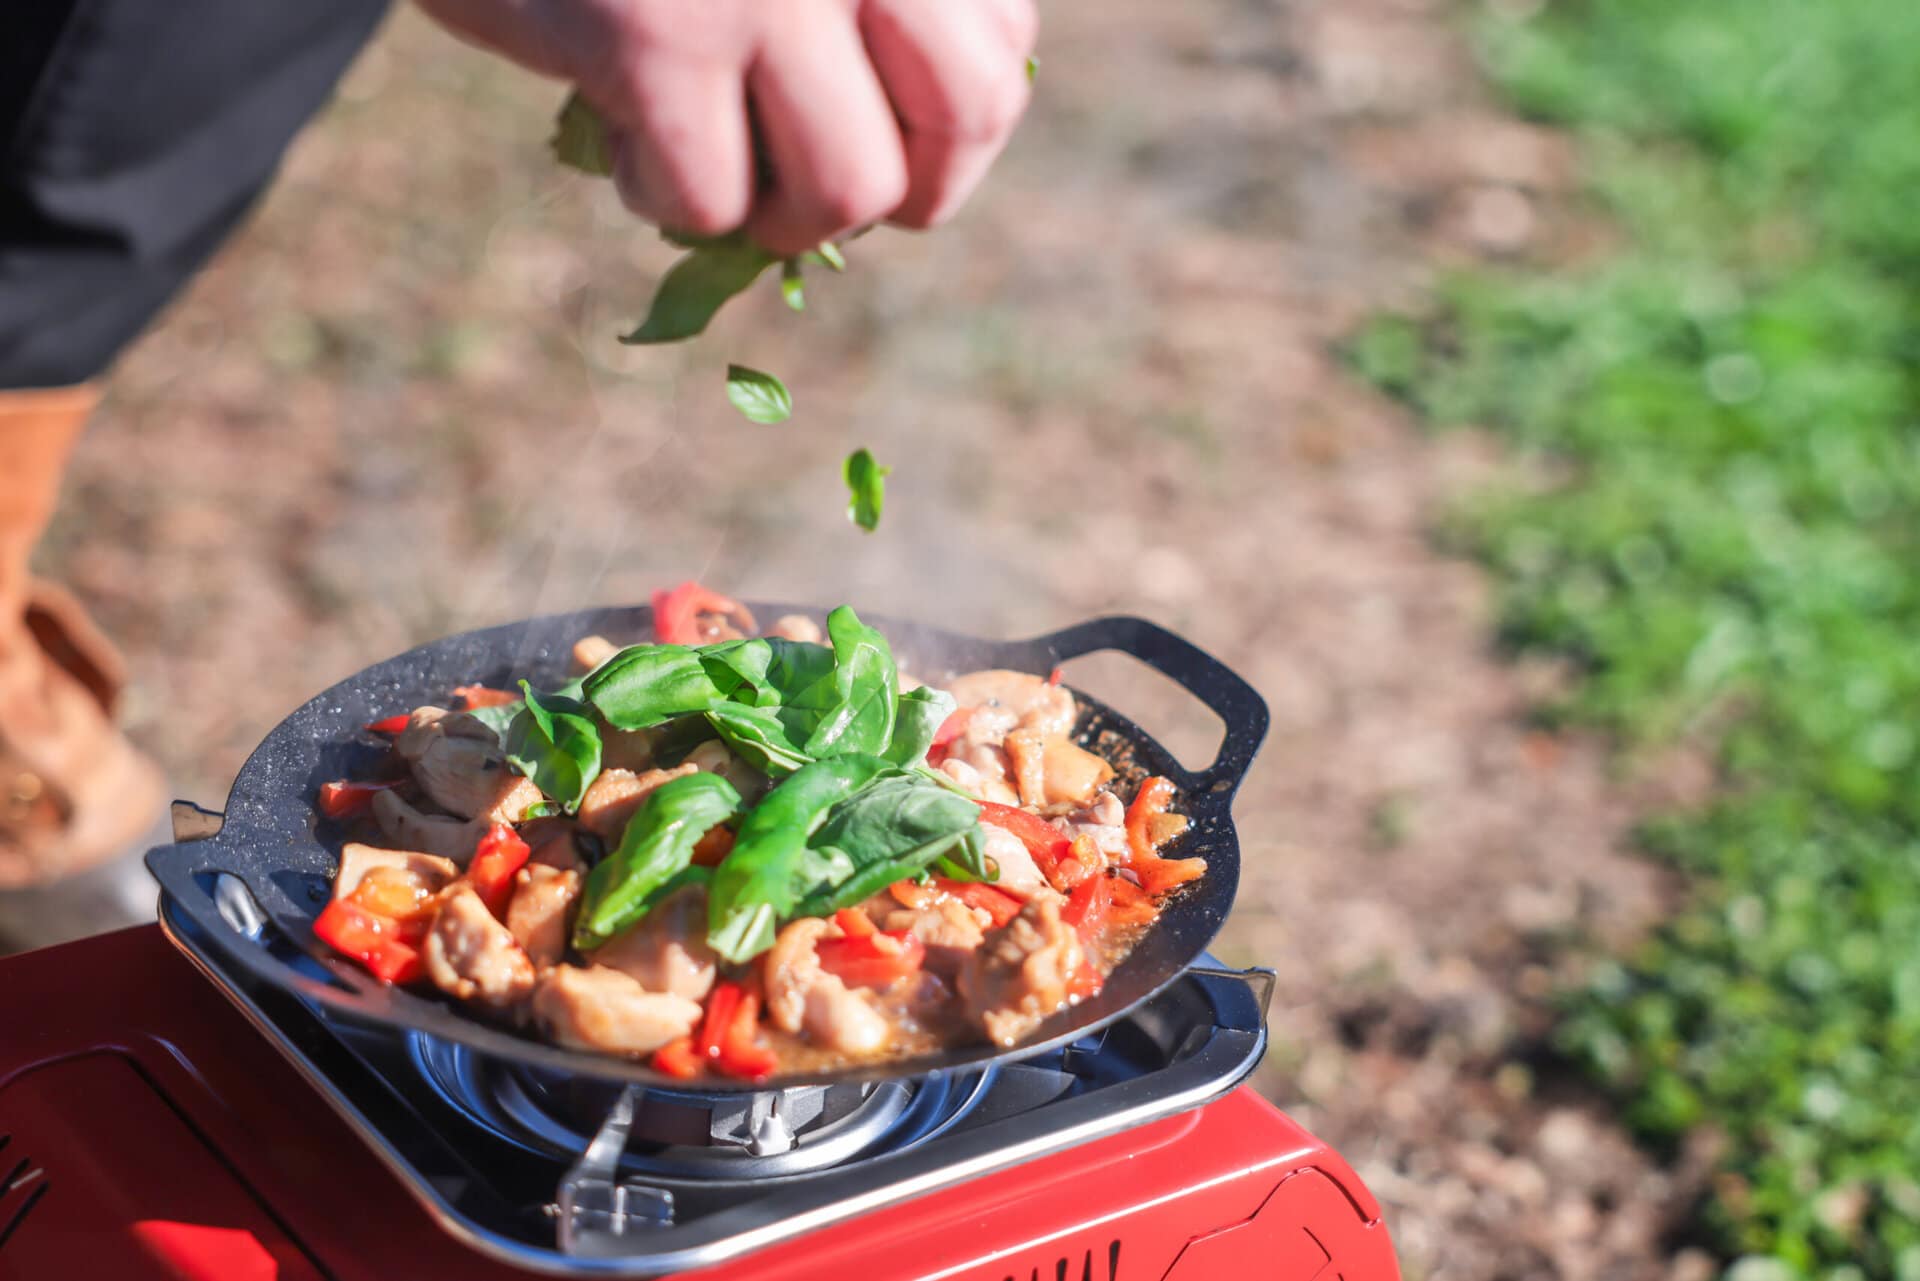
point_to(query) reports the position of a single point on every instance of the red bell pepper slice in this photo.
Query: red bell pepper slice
(741, 1053)
(1088, 905)
(472, 696)
(728, 1034)
(874, 960)
(1131, 904)
(854, 923)
(677, 1059)
(1157, 875)
(496, 858)
(722, 1003)
(676, 612)
(344, 799)
(998, 904)
(395, 724)
(386, 947)
(1043, 840)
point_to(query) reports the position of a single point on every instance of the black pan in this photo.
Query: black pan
(278, 858)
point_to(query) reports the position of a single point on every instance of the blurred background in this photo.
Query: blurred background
(1584, 843)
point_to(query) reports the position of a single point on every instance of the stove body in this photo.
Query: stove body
(154, 1128)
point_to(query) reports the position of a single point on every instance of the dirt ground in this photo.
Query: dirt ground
(395, 409)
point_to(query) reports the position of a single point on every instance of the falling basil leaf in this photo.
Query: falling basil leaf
(792, 288)
(828, 255)
(759, 396)
(1033, 69)
(580, 138)
(866, 487)
(696, 288)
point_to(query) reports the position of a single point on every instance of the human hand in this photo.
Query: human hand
(863, 110)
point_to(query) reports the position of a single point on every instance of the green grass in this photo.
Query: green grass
(1730, 555)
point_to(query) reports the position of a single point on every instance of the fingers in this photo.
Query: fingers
(682, 155)
(829, 130)
(956, 74)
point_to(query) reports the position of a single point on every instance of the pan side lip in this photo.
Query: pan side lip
(271, 806)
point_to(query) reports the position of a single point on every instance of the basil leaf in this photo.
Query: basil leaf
(866, 487)
(554, 742)
(643, 685)
(759, 396)
(759, 736)
(580, 138)
(696, 288)
(827, 254)
(768, 671)
(858, 715)
(753, 889)
(918, 715)
(792, 289)
(657, 845)
(889, 830)
(1033, 69)
(500, 715)
(967, 861)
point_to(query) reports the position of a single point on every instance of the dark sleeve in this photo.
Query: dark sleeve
(134, 136)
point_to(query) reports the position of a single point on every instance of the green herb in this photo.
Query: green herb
(888, 831)
(767, 671)
(656, 846)
(554, 742)
(760, 397)
(856, 701)
(647, 685)
(696, 288)
(753, 889)
(580, 138)
(1033, 69)
(867, 488)
(792, 288)
(759, 736)
(500, 715)
(918, 715)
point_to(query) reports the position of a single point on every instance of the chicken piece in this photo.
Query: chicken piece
(1026, 752)
(540, 914)
(426, 725)
(802, 997)
(459, 765)
(627, 749)
(666, 950)
(1072, 775)
(591, 651)
(1020, 876)
(1103, 822)
(603, 1009)
(978, 784)
(409, 829)
(1036, 703)
(949, 929)
(715, 757)
(617, 795)
(796, 627)
(1020, 973)
(554, 847)
(426, 871)
(470, 955)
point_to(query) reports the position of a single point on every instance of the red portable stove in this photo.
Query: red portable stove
(156, 1124)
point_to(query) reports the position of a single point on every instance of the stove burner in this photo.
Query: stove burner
(717, 1139)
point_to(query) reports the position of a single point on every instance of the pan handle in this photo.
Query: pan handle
(1236, 703)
